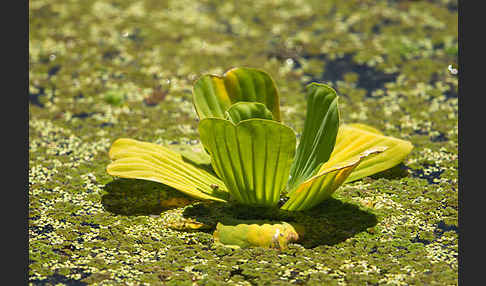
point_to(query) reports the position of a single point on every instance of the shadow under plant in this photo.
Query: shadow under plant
(330, 223)
(138, 197)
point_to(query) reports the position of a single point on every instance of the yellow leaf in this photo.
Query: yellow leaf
(352, 139)
(322, 185)
(147, 161)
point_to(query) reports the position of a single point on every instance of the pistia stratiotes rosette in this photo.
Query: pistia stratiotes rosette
(254, 155)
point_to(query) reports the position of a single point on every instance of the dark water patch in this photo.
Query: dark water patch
(453, 7)
(385, 22)
(92, 225)
(417, 239)
(439, 138)
(110, 55)
(438, 46)
(57, 278)
(369, 78)
(421, 132)
(451, 93)
(236, 271)
(430, 177)
(106, 124)
(446, 227)
(373, 250)
(48, 228)
(83, 115)
(100, 238)
(34, 97)
(36, 217)
(53, 71)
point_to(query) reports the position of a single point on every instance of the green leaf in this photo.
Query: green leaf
(256, 234)
(319, 135)
(321, 186)
(353, 139)
(247, 110)
(142, 160)
(214, 94)
(253, 158)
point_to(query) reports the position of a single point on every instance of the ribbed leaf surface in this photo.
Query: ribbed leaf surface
(213, 94)
(319, 135)
(253, 158)
(321, 186)
(142, 160)
(355, 138)
(247, 110)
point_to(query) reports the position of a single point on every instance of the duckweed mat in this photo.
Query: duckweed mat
(100, 70)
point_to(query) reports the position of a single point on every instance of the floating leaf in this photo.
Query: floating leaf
(142, 160)
(213, 94)
(256, 233)
(353, 139)
(319, 135)
(321, 186)
(253, 158)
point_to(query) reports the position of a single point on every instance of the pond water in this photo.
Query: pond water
(99, 70)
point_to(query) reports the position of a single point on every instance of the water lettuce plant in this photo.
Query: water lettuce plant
(254, 156)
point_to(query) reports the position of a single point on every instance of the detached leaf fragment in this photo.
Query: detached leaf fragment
(256, 234)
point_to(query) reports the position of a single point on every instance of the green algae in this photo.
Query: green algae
(92, 64)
